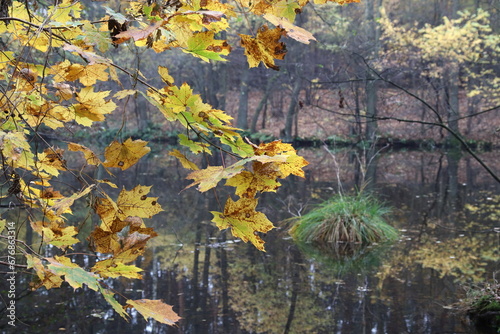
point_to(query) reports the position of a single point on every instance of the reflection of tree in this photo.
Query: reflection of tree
(462, 250)
(462, 258)
(265, 294)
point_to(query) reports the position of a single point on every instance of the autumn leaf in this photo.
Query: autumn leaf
(126, 154)
(109, 297)
(134, 203)
(249, 183)
(244, 221)
(55, 233)
(204, 46)
(155, 309)
(87, 75)
(91, 57)
(108, 182)
(209, 177)
(64, 204)
(103, 241)
(194, 146)
(51, 161)
(75, 275)
(47, 277)
(165, 76)
(92, 106)
(137, 34)
(292, 31)
(124, 93)
(16, 148)
(90, 157)
(116, 238)
(294, 163)
(265, 47)
(183, 160)
(112, 269)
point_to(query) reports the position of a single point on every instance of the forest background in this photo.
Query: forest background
(381, 71)
(400, 71)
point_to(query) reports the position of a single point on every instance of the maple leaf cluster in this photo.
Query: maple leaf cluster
(62, 89)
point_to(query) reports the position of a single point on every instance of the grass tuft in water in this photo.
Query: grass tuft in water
(483, 305)
(345, 219)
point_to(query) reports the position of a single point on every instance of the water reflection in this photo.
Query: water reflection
(445, 206)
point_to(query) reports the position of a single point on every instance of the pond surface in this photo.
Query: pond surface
(446, 207)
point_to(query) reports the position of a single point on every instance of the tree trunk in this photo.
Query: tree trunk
(452, 104)
(371, 84)
(242, 121)
(371, 109)
(292, 110)
(262, 103)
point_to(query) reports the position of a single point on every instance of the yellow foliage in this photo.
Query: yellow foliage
(53, 69)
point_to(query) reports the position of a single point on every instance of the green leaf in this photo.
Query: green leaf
(75, 275)
(109, 296)
(204, 46)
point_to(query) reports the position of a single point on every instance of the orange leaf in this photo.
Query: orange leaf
(155, 309)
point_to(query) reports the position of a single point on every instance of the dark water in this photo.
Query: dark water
(445, 205)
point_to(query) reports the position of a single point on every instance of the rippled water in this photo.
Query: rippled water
(445, 206)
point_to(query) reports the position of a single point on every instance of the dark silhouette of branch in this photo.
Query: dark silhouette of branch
(440, 122)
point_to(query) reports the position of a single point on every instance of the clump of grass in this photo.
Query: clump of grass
(345, 219)
(483, 305)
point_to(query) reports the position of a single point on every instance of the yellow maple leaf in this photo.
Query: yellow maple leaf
(51, 160)
(165, 76)
(126, 154)
(204, 46)
(124, 93)
(75, 275)
(90, 157)
(134, 203)
(209, 177)
(249, 183)
(104, 241)
(92, 106)
(265, 47)
(62, 205)
(244, 221)
(293, 164)
(186, 163)
(55, 232)
(88, 74)
(16, 149)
